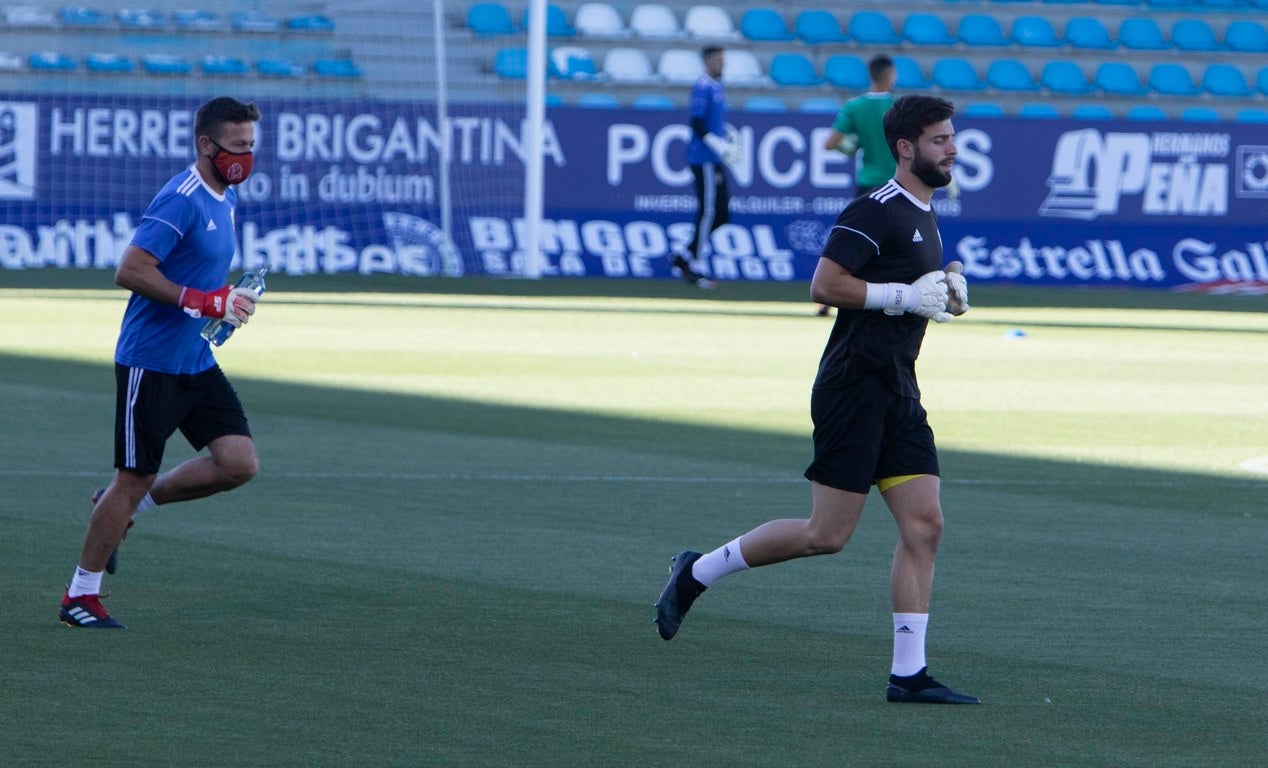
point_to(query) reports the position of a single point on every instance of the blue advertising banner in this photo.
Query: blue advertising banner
(355, 186)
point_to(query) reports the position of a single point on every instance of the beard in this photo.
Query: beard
(929, 172)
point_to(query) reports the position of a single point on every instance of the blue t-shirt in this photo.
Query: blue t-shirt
(189, 228)
(708, 102)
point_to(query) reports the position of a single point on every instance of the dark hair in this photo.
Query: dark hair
(878, 65)
(215, 113)
(911, 115)
(709, 50)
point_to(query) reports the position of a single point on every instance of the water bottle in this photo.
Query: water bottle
(216, 330)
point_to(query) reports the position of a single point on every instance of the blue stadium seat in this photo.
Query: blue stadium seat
(310, 23)
(489, 20)
(573, 63)
(793, 70)
(51, 61)
(511, 63)
(1034, 32)
(1146, 112)
(1170, 5)
(223, 65)
(1172, 80)
(982, 109)
(847, 72)
(819, 105)
(198, 20)
(131, 18)
(978, 29)
(1201, 115)
(254, 21)
(1010, 75)
(593, 100)
(336, 69)
(1194, 35)
(556, 22)
(926, 29)
(1229, 5)
(1091, 112)
(275, 67)
(765, 104)
(1246, 36)
(956, 74)
(908, 74)
(1261, 81)
(872, 28)
(1142, 34)
(653, 101)
(816, 27)
(1119, 79)
(1225, 80)
(82, 17)
(764, 25)
(165, 64)
(1088, 33)
(108, 62)
(553, 100)
(1038, 111)
(1117, 2)
(1061, 76)
(1252, 115)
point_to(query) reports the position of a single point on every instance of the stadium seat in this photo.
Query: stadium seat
(553, 100)
(908, 74)
(653, 101)
(1246, 36)
(743, 69)
(599, 20)
(336, 69)
(223, 65)
(1228, 5)
(51, 61)
(1261, 81)
(983, 109)
(1252, 115)
(709, 22)
(274, 67)
(1194, 35)
(655, 21)
(511, 63)
(765, 104)
(131, 18)
(926, 29)
(489, 20)
(1066, 77)
(1145, 112)
(1225, 80)
(1170, 5)
(10, 62)
(1088, 33)
(980, 30)
(679, 66)
(1091, 112)
(1038, 111)
(254, 21)
(1119, 79)
(571, 62)
(819, 105)
(872, 28)
(198, 20)
(594, 100)
(1201, 115)
(956, 74)
(847, 72)
(1142, 34)
(112, 63)
(793, 70)
(556, 22)
(1010, 75)
(628, 65)
(82, 17)
(817, 27)
(165, 64)
(764, 25)
(313, 22)
(28, 17)
(1172, 80)
(1117, 2)
(1034, 32)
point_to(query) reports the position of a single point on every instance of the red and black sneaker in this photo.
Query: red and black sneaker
(85, 611)
(112, 564)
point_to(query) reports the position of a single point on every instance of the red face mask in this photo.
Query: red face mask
(231, 167)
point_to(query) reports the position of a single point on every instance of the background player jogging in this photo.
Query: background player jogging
(881, 268)
(166, 378)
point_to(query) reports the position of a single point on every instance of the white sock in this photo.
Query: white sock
(909, 643)
(145, 506)
(722, 561)
(85, 583)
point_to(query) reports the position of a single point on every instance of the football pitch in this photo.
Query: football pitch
(470, 492)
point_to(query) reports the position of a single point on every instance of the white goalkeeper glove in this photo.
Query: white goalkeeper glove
(953, 189)
(727, 151)
(926, 297)
(240, 307)
(849, 144)
(957, 291)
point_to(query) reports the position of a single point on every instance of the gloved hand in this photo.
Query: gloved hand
(727, 151)
(235, 305)
(926, 297)
(953, 189)
(849, 144)
(957, 289)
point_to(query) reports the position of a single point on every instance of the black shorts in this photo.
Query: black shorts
(150, 406)
(866, 432)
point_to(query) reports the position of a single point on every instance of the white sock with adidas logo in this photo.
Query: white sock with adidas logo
(718, 563)
(909, 643)
(84, 583)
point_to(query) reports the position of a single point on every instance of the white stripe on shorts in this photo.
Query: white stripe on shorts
(129, 424)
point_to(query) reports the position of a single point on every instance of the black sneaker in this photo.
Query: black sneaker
(85, 611)
(678, 595)
(681, 264)
(922, 689)
(112, 564)
(702, 282)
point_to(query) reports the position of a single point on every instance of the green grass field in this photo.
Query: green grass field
(471, 490)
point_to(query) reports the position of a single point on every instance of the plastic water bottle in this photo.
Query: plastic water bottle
(216, 330)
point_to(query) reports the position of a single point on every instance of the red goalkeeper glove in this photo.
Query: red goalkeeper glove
(232, 304)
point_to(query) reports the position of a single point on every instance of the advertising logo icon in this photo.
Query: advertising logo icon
(17, 150)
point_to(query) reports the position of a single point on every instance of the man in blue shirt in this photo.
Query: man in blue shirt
(707, 151)
(166, 378)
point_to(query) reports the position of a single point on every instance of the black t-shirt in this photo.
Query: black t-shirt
(886, 237)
